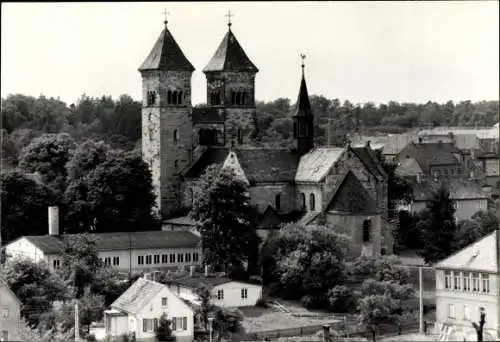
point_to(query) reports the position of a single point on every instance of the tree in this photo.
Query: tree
(468, 232)
(86, 157)
(24, 203)
(226, 219)
(341, 299)
(439, 228)
(35, 285)
(48, 155)
(164, 332)
(91, 307)
(480, 326)
(375, 310)
(116, 196)
(398, 189)
(206, 306)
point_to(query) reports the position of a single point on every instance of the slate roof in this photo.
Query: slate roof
(196, 281)
(137, 296)
(208, 115)
(365, 154)
(6, 286)
(351, 197)
(259, 165)
(431, 154)
(52, 244)
(230, 56)
(166, 55)
(478, 256)
(408, 167)
(460, 189)
(314, 165)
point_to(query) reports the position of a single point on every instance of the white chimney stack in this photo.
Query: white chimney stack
(53, 220)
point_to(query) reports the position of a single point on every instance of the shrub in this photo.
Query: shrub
(307, 301)
(341, 299)
(262, 303)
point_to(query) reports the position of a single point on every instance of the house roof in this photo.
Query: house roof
(351, 197)
(208, 115)
(307, 218)
(365, 154)
(480, 256)
(314, 165)
(137, 296)
(196, 280)
(408, 167)
(166, 55)
(259, 165)
(460, 189)
(54, 244)
(230, 56)
(431, 154)
(4, 284)
(181, 221)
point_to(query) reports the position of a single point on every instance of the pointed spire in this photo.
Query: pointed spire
(303, 104)
(229, 15)
(166, 53)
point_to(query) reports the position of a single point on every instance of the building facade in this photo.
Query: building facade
(10, 314)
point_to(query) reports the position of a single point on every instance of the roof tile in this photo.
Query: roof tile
(138, 295)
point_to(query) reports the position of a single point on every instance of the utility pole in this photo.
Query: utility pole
(421, 300)
(77, 323)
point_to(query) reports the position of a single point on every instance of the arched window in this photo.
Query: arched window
(176, 164)
(176, 135)
(238, 98)
(312, 202)
(240, 136)
(174, 97)
(277, 201)
(169, 97)
(243, 98)
(302, 201)
(179, 100)
(233, 97)
(367, 227)
(191, 195)
(150, 98)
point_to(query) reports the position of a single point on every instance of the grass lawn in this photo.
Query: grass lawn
(410, 337)
(264, 319)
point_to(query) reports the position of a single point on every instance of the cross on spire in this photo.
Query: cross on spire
(165, 13)
(303, 57)
(229, 15)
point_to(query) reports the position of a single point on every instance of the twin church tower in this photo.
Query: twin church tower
(174, 134)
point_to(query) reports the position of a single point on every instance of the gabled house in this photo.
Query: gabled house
(466, 282)
(10, 314)
(138, 310)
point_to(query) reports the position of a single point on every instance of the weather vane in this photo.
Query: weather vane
(303, 59)
(165, 13)
(229, 15)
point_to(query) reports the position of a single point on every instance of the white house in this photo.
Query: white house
(225, 292)
(145, 251)
(138, 310)
(10, 314)
(467, 281)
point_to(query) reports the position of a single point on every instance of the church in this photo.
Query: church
(342, 187)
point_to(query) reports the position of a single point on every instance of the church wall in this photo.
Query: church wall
(307, 190)
(239, 118)
(217, 126)
(352, 226)
(263, 194)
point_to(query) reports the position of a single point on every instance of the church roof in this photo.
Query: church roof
(259, 165)
(166, 55)
(230, 56)
(314, 165)
(303, 104)
(351, 197)
(365, 154)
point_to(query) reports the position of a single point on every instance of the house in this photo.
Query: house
(138, 310)
(467, 281)
(127, 252)
(490, 165)
(468, 196)
(10, 311)
(465, 137)
(389, 144)
(180, 142)
(225, 292)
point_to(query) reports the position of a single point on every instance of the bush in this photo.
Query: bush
(262, 303)
(307, 301)
(341, 299)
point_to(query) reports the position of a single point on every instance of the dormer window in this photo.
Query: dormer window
(151, 98)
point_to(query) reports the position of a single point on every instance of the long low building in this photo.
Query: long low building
(125, 251)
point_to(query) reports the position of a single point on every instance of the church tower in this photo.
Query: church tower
(166, 118)
(231, 86)
(303, 120)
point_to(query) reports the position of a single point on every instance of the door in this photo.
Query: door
(4, 336)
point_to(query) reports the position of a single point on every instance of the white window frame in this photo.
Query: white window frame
(451, 311)
(244, 293)
(5, 313)
(466, 281)
(457, 286)
(220, 294)
(149, 322)
(466, 313)
(485, 280)
(56, 263)
(477, 282)
(447, 280)
(164, 302)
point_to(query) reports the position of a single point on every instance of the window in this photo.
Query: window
(164, 301)
(240, 136)
(302, 201)
(475, 282)
(149, 324)
(312, 202)
(466, 281)
(447, 280)
(57, 264)
(456, 281)
(151, 98)
(180, 257)
(188, 257)
(176, 135)
(244, 293)
(140, 260)
(451, 311)
(179, 323)
(277, 201)
(172, 258)
(466, 313)
(116, 261)
(5, 313)
(107, 261)
(164, 258)
(180, 98)
(148, 260)
(157, 258)
(486, 283)
(220, 294)
(108, 324)
(367, 226)
(195, 257)
(5, 335)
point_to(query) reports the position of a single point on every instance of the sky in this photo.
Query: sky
(356, 51)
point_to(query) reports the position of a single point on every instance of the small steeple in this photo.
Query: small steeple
(303, 104)
(303, 120)
(166, 53)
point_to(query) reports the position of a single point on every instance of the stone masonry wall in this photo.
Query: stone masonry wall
(263, 194)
